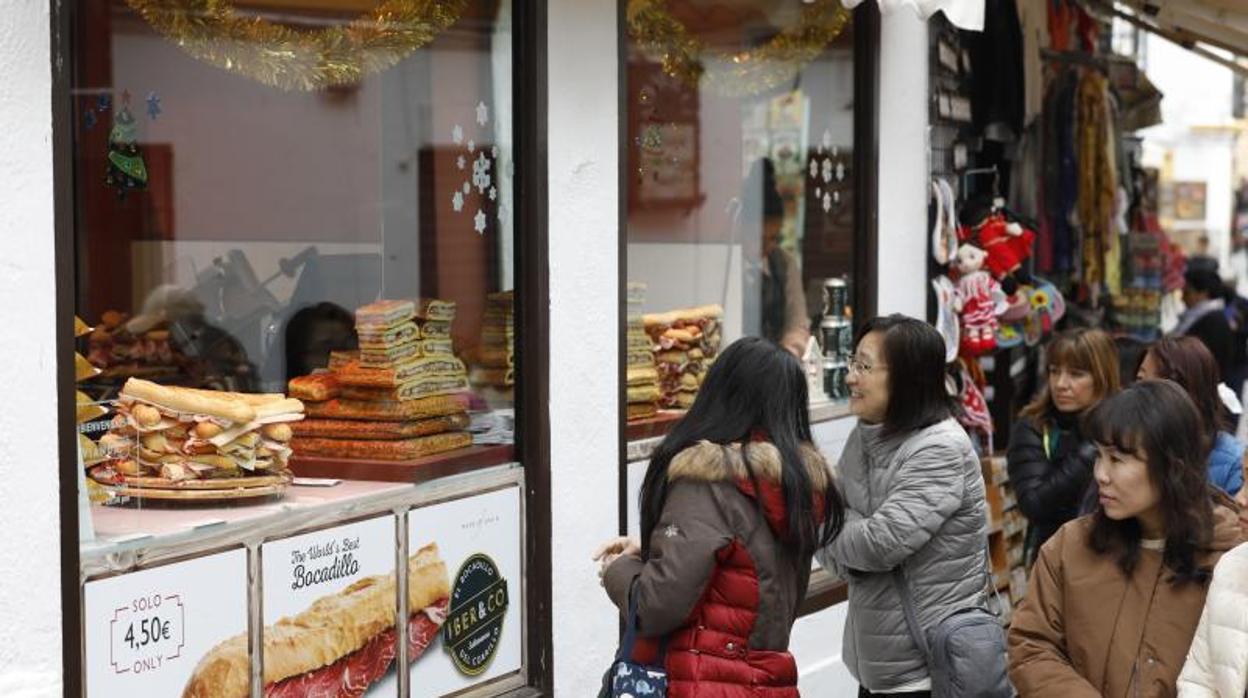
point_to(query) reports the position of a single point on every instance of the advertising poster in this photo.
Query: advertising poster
(464, 592)
(330, 598)
(146, 632)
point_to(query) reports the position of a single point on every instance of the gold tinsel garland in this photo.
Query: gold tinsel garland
(746, 72)
(299, 59)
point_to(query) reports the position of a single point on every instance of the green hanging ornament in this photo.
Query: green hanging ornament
(126, 170)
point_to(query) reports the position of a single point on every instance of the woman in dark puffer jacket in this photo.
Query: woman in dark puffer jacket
(735, 502)
(1050, 461)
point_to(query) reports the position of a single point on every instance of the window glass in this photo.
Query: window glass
(740, 178)
(250, 181)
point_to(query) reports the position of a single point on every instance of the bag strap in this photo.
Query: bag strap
(629, 641)
(912, 617)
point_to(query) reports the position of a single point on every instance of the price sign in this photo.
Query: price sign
(146, 631)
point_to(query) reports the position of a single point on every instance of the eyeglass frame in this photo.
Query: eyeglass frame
(862, 368)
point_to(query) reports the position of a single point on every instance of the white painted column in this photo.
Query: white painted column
(583, 140)
(30, 636)
(903, 166)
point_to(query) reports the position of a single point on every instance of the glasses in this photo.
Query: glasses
(863, 368)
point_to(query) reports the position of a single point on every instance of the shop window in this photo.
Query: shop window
(295, 257)
(741, 182)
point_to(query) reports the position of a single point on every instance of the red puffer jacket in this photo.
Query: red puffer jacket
(718, 582)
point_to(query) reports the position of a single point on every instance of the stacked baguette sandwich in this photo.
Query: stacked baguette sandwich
(686, 342)
(165, 435)
(494, 365)
(400, 397)
(642, 375)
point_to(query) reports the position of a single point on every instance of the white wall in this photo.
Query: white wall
(903, 165)
(584, 322)
(30, 636)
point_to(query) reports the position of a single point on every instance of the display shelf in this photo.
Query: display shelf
(455, 462)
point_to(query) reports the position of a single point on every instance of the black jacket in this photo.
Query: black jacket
(1215, 332)
(1049, 486)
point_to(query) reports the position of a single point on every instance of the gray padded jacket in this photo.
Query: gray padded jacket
(915, 501)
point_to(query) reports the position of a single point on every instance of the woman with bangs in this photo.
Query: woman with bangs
(1115, 597)
(1050, 460)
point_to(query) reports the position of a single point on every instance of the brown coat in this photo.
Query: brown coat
(1086, 630)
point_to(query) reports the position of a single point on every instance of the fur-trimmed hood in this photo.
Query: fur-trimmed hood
(711, 462)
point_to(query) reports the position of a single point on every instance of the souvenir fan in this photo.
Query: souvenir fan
(974, 415)
(947, 315)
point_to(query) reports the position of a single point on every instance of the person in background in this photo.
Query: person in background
(915, 496)
(1130, 354)
(775, 299)
(1115, 597)
(1217, 663)
(734, 503)
(1049, 459)
(314, 332)
(1205, 316)
(1186, 361)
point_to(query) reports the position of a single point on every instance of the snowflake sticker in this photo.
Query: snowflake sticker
(467, 188)
(493, 193)
(481, 173)
(827, 202)
(827, 139)
(153, 105)
(840, 171)
(472, 146)
(818, 192)
(827, 171)
(478, 222)
(457, 134)
(836, 197)
(483, 113)
(814, 168)
(494, 152)
(457, 201)
(460, 162)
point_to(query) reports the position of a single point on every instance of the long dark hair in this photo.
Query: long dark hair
(754, 386)
(1188, 362)
(915, 354)
(1156, 420)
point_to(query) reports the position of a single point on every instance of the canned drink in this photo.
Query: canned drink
(835, 298)
(834, 375)
(838, 339)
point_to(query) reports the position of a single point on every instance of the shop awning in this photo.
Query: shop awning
(1197, 25)
(964, 14)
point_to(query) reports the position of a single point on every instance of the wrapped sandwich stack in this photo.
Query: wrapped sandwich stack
(686, 343)
(92, 453)
(400, 397)
(643, 377)
(166, 437)
(495, 362)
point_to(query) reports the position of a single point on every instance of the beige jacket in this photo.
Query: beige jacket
(1217, 664)
(1086, 630)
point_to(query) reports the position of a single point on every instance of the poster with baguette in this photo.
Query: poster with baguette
(330, 600)
(480, 638)
(145, 631)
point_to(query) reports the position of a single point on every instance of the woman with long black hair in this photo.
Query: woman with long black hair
(1115, 597)
(915, 497)
(734, 503)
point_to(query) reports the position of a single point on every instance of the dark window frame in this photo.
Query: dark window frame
(532, 313)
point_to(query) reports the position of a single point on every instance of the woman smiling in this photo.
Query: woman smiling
(914, 496)
(1115, 597)
(1049, 459)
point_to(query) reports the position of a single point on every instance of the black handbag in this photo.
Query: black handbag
(627, 678)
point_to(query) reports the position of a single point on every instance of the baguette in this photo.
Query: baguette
(330, 629)
(225, 406)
